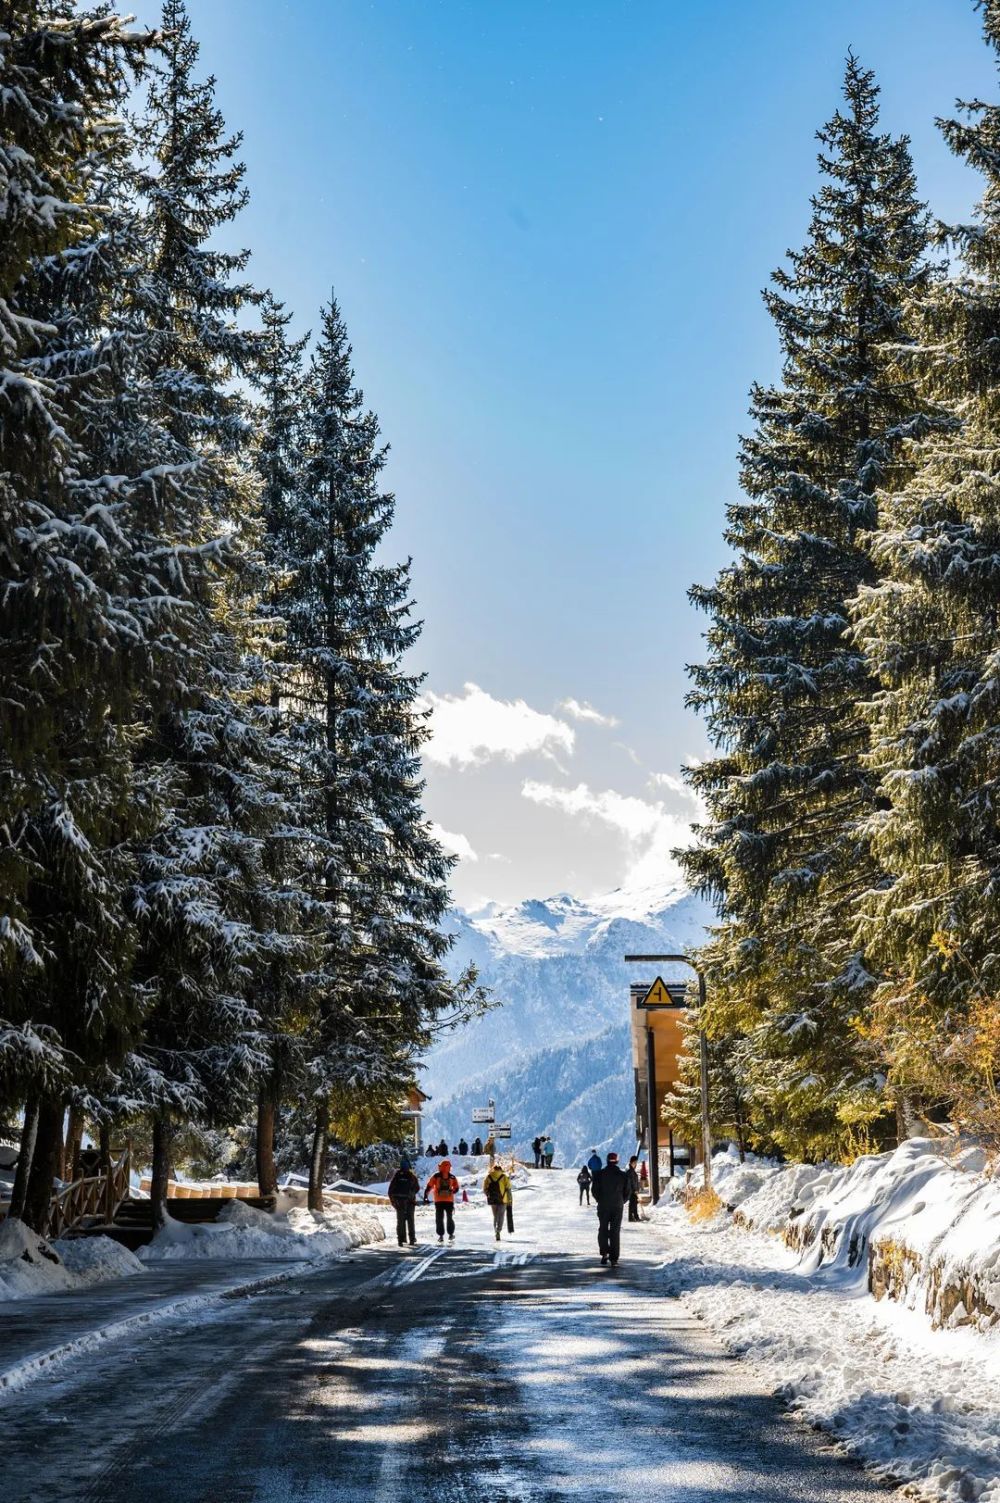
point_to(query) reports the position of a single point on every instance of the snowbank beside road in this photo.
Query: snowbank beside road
(31, 1265)
(917, 1402)
(920, 1225)
(242, 1231)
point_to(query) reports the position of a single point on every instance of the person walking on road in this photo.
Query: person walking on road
(536, 1148)
(444, 1187)
(548, 1150)
(404, 1187)
(610, 1186)
(583, 1180)
(594, 1162)
(499, 1196)
(632, 1175)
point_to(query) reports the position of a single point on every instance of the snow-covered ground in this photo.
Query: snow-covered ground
(917, 1402)
(242, 1231)
(30, 1265)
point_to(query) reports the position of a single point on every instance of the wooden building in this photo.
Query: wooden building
(657, 1010)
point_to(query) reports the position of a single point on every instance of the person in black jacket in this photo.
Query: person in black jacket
(404, 1187)
(583, 1180)
(610, 1189)
(632, 1174)
(536, 1148)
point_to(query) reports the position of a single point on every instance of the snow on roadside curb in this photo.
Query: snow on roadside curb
(243, 1231)
(917, 1404)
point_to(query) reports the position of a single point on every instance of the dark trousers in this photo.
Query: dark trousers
(538, 1159)
(609, 1231)
(585, 1190)
(633, 1208)
(406, 1228)
(444, 1211)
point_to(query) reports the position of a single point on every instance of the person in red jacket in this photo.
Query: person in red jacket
(444, 1187)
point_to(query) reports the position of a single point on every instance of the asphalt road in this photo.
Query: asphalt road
(452, 1375)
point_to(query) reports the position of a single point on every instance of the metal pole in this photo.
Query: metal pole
(653, 1131)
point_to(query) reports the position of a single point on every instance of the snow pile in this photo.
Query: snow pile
(915, 1398)
(920, 1224)
(243, 1231)
(31, 1265)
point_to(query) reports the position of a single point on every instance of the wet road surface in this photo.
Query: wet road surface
(452, 1375)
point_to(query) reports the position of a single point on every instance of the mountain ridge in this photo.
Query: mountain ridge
(555, 1054)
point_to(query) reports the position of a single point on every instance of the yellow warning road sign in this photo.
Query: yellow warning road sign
(657, 996)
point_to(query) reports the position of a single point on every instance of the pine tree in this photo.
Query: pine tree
(376, 870)
(74, 629)
(785, 850)
(931, 630)
(208, 902)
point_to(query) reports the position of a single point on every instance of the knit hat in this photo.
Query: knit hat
(445, 1166)
(612, 1158)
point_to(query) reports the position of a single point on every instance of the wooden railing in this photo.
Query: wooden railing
(97, 1197)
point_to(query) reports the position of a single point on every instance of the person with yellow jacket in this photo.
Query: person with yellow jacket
(444, 1187)
(499, 1196)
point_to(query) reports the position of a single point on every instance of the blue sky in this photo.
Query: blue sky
(548, 225)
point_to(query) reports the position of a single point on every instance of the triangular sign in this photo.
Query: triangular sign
(657, 996)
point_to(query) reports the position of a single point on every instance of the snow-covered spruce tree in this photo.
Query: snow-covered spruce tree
(284, 998)
(210, 901)
(930, 628)
(74, 628)
(376, 869)
(785, 851)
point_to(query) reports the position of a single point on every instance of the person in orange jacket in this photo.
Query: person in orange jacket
(444, 1187)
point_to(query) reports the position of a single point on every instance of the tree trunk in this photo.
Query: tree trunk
(25, 1155)
(104, 1143)
(267, 1108)
(74, 1138)
(317, 1164)
(45, 1164)
(908, 1124)
(163, 1134)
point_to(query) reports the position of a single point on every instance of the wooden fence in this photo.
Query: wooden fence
(95, 1198)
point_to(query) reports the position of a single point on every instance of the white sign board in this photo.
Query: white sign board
(483, 1113)
(502, 1130)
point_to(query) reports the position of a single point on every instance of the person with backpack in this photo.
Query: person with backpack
(444, 1187)
(499, 1196)
(610, 1186)
(404, 1187)
(632, 1175)
(548, 1151)
(536, 1148)
(583, 1180)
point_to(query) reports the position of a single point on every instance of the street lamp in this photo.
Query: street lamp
(706, 1129)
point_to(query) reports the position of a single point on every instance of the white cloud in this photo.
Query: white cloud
(581, 710)
(650, 830)
(457, 844)
(470, 728)
(673, 784)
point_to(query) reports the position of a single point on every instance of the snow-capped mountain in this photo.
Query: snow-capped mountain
(555, 1054)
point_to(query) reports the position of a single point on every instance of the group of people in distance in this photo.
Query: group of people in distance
(544, 1150)
(443, 1187)
(612, 1188)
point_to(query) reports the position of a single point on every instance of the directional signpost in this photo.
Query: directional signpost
(483, 1113)
(502, 1130)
